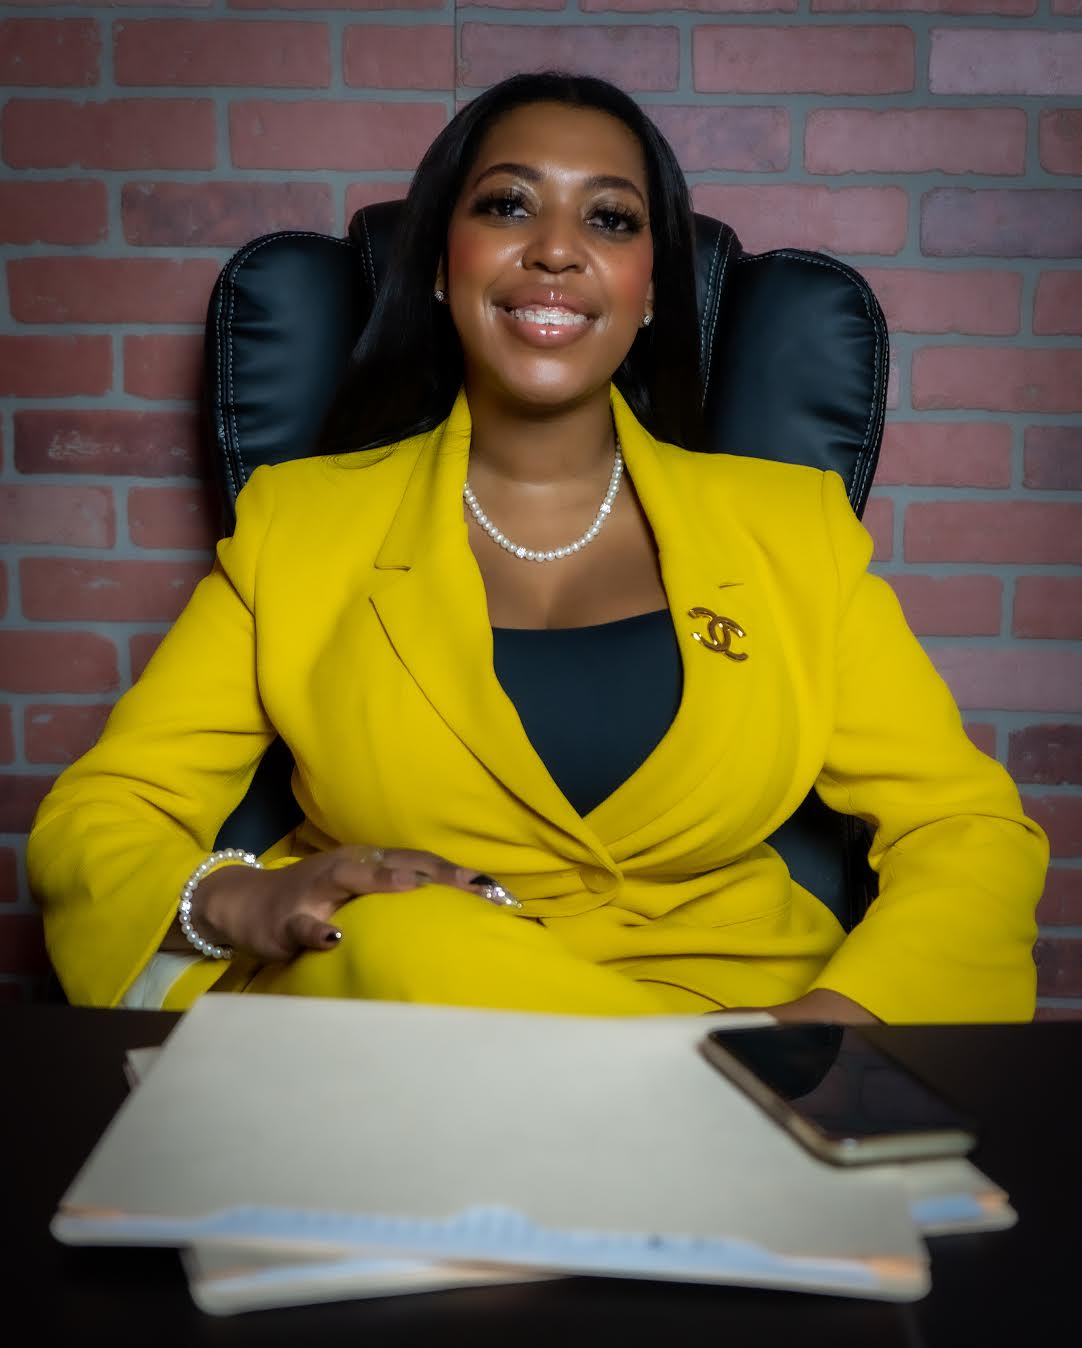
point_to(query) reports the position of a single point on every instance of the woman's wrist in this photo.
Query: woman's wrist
(823, 1004)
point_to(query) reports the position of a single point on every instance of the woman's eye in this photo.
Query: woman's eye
(503, 205)
(617, 220)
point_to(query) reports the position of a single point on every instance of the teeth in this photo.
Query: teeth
(564, 318)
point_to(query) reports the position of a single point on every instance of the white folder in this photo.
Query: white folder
(538, 1143)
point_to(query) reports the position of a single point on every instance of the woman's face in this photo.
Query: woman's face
(549, 255)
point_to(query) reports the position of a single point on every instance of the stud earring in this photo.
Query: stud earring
(647, 319)
(441, 296)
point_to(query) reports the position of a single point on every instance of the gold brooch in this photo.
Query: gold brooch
(719, 633)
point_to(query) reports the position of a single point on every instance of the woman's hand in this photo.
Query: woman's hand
(275, 914)
(821, 1004)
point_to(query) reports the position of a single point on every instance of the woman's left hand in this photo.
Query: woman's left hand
(821, 1004)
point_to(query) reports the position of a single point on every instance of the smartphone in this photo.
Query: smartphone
(839, 1095)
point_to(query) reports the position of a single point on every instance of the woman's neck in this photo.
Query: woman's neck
(510, 446)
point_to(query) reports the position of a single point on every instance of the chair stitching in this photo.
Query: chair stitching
(368, 259)
(863, 466)
(717, 314)
(710, 300)
(242, 257)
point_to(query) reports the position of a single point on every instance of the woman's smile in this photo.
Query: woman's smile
(549, 261)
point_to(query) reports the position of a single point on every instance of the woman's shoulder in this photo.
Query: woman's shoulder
(743, 476)
(316, 480)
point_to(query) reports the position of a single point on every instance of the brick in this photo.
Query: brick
(540, 4)
(1059, 966)
(55, 367)
(143, 444)
(1014, 678)
(233, 53)
(390, 56)
(9, 875)
(638, 58)
(998, 379)
(81, 517)
(1057, 309)
(915, 140)
(172, 517)
(7, 735)
(834, 219)
(1049, 755)
(879, 521)
(1048, 607)
(106, 591)
(927, 6)
(993, 61)
(851, 59)
(368, 193)
(336, 4)
(222, 214)
(57, 662)
(166, 365)
(1067, 6)
(141, 647)
(1008, 222)
(1053, 458)
(1061, 818)
(1060, 131)
(328, 135)
(732, 139)
(914, 300)
(22, 943)
(983, 736)
(20, 796)
(3, 589)
(945, 454)
(58, 734)
(74, 212)
(699, 6)
(1061, 903)
(950, 606)
(110, 290)
(49, 52)
(1026, 532)
(131, 133)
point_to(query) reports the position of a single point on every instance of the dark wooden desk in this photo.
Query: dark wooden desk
(63, 1079)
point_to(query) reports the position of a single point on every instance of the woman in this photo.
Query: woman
(549, 679)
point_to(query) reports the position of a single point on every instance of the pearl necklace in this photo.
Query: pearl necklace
(553, 554)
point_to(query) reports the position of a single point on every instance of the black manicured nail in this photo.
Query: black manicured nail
(482, 880)
(333, 936)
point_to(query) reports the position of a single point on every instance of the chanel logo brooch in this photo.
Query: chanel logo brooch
(719, 633)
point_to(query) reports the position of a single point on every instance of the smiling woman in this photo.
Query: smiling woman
(528, 779)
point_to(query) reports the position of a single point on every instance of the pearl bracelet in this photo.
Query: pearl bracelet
(184, 909)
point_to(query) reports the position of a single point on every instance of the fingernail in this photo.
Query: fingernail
(502, 898)
(423, 877)
(481, 880)
(333, 936)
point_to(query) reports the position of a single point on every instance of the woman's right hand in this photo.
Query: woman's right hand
(275, 914)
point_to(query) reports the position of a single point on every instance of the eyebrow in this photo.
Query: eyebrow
(533, 175)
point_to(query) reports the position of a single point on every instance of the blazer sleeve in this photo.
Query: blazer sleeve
(960, 867)
(122, 828)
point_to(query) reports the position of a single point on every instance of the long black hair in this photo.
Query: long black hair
(406, 369)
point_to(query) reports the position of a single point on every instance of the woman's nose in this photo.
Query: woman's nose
(555, 245)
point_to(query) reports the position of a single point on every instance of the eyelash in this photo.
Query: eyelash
(500, 204)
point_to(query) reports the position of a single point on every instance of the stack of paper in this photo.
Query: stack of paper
(301, 1149)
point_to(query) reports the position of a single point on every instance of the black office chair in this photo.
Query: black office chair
(793, 351)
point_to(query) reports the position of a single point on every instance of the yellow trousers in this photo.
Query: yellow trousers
(442, 946)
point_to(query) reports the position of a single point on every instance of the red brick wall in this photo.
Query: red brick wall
(935, 144)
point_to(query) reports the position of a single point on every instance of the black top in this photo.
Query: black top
(594, 701)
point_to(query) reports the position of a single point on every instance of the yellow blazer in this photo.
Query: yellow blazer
(347, 613)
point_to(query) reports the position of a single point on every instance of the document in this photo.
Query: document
(537, 1143)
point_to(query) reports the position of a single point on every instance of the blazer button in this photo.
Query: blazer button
(597, 880)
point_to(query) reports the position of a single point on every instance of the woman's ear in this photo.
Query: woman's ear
(648, 308)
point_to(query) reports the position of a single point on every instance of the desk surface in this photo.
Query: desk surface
(63, 1080)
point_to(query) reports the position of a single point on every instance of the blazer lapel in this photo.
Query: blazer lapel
(431, 602)
(703, 567)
